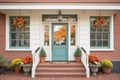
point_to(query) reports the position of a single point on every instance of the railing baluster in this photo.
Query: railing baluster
(85, 61)
(35, 61)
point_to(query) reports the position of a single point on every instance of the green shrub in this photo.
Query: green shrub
(77, 53)
(42, 53)
(3, 62)
(106, 63)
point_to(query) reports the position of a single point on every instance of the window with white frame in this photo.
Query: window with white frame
(46, 35)
(19, 36)
(99, 35)
(73, 34)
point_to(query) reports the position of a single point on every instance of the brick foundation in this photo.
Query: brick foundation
(8, 54)
(112, 55)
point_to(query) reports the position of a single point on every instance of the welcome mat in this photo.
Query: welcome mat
(60, 62)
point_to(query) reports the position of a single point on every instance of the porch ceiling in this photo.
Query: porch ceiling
(60, 1)
(77, 6)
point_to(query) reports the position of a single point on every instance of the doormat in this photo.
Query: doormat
(60, 62)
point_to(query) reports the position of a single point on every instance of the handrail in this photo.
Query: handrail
(37, 49)
(84, 50)
(35, 60)
(84, 60)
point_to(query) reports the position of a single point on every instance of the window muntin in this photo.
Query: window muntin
(19, 37)
(99, 36)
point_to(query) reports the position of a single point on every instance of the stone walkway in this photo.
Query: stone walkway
(100, 76)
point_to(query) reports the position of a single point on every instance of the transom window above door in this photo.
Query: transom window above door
(55, 18)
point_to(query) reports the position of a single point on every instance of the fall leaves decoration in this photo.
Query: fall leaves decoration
(18, 22)
(100, 22)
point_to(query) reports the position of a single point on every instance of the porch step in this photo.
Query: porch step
(52, 69)
(60, 70)
(60, 74)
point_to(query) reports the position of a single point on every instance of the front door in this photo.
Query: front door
(59, 41)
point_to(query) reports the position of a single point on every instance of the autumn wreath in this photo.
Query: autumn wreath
(100, 21)
(18, 22)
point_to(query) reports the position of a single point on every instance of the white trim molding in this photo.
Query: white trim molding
(111, 36)
(75, 6)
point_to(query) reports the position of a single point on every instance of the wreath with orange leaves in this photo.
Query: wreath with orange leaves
(19, 22)
(100, 21)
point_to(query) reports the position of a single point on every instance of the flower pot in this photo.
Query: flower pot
(78, 59)
(27, 68)
(42, 59)
(106, 70)
(17, 70)
(1, 70)
(94, 68)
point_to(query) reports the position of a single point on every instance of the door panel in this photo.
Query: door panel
(59, 42)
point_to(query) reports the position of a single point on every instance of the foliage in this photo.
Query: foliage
(18, 22)
(93, 58)
(106, 63)
(77, 53)
(100, 21)
(42, 53)
(16, 62)
(3, 62)
(27, 59)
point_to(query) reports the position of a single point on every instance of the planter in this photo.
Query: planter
(94, 69)
(17, 70)
(1, 70)
(78, 59)
(107, 70)
(42, 59)
(27, 68)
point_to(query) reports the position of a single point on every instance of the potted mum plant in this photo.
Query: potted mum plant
(77, 55)
(16, 64)
(42, 55)
(107, 66)
(94, 64)
(27, 64)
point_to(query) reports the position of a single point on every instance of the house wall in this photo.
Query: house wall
(115, 54)
(36, 33)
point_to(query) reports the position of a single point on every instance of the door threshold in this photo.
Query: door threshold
(60, 62)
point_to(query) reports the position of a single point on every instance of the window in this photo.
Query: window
(55, 18)
(46, 35)
(99, 36)
(19, 37)
(73, 34)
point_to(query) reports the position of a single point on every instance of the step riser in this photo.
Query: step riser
(60, 67)
(59, 76)
(60, 71)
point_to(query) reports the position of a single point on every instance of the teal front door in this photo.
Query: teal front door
(59, 42)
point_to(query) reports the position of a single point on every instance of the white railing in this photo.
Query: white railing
(85, 60)
(36, 60)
